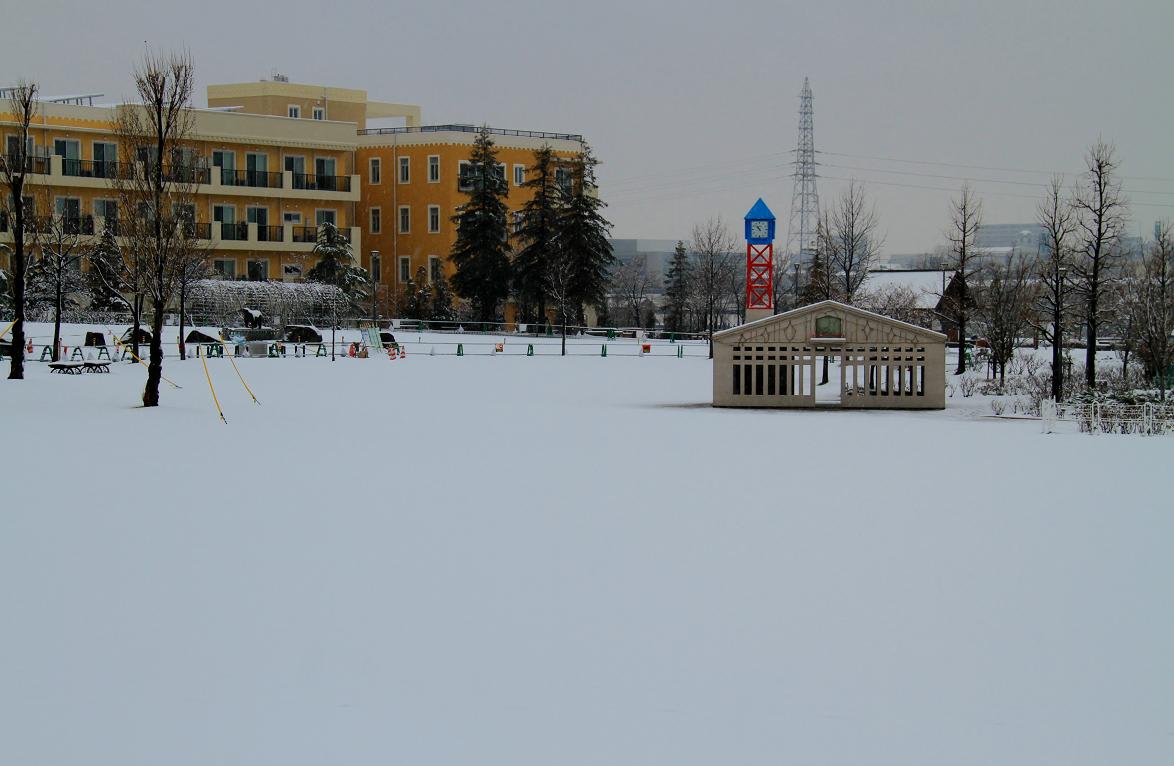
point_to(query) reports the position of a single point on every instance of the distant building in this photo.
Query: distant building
(657, 255)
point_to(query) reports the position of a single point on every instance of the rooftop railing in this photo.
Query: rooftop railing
(471, 129)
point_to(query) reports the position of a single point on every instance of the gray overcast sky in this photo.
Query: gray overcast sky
(692, 106)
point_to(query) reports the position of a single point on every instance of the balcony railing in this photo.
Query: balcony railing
(322, 182)
(259, 179)
(270, 233)
(234, 232)
(471, 129)
(93, 169)
(187, 174)
(309, 234)
(68, 225)
(38, 165)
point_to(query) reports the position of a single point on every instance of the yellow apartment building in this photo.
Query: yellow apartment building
(273, 161)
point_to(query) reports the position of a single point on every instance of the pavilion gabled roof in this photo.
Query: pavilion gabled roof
(787, 317)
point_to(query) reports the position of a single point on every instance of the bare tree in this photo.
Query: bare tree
(194, 264)
(854, 240)
(562, 286)
(1150, 306)
(896, 301)
(15, 165)
(57, 275)
(713, 264)
(1004, 311)
(631, 283)
(158, 198)
(1054, 298)
(958, 302)
(1100, 214)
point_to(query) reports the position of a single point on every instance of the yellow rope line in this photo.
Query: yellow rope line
(9, 327)
(215, 400)
(118, 344)
(224, 345)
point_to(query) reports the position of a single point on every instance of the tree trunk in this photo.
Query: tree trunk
(57, 301)
(137, 319)
(564, 332)
(825, 371)
(1090, 350)
(155, 366)
(16, 369)
(182, 303)
(1057, 361)
(961, 346)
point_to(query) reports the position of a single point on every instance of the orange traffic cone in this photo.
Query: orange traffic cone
(30, 347)
(402, 352)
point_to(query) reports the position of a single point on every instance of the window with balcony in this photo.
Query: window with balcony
(376, 220)
(433, 219)
(292, 217)
(70, 152)
(405, 219)
(375, 176)
(105, 159)
(323, 217)
(107, 209)
(433, 168)
(68, 208)
(257, 169)
(405, 170)
(258, 269)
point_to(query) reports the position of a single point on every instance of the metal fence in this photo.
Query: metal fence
(1146, 419)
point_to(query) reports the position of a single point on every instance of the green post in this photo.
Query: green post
(530, 349)
(680, 352)
(603, 352)
(460, 349)
(611, 335)
(672, 337)
(549, 330)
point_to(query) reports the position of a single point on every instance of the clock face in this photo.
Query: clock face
(759, 229)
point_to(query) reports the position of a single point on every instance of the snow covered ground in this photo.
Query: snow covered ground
(487, 560)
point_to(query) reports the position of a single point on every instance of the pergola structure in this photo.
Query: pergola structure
(875, 362)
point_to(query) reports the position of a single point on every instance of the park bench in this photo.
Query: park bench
(93, 366)
(67, 368)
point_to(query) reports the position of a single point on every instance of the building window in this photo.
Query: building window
(519, 175)
(464, 175)
(319, 113)
(292, 217)
(108, 210)
(376, 170)
(433, 268)
(405, 219)
(433, 219)
(323, 217)
(258, 270)
(405, 170)
(434, 168)
(517, 215)
(225, 268)
(294, 111)
(291, 271)
(376, 267)
(562, 177)
(405, 269)
(376, 222)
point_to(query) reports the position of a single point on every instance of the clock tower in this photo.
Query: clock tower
(760, 267)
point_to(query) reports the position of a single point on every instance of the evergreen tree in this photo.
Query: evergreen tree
(583, 231)
(677, 290)
(335, 265)
(536, 237)
(442, 305)
(104, 277)
(419, 296)
(481, 250)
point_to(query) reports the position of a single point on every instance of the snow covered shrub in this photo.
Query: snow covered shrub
(968, 385)
(998, 406)
(951, 389)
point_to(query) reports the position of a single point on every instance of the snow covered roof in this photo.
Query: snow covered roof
(925, 284)
(741, 330)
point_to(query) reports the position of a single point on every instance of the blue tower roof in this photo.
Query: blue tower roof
(760, 212)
